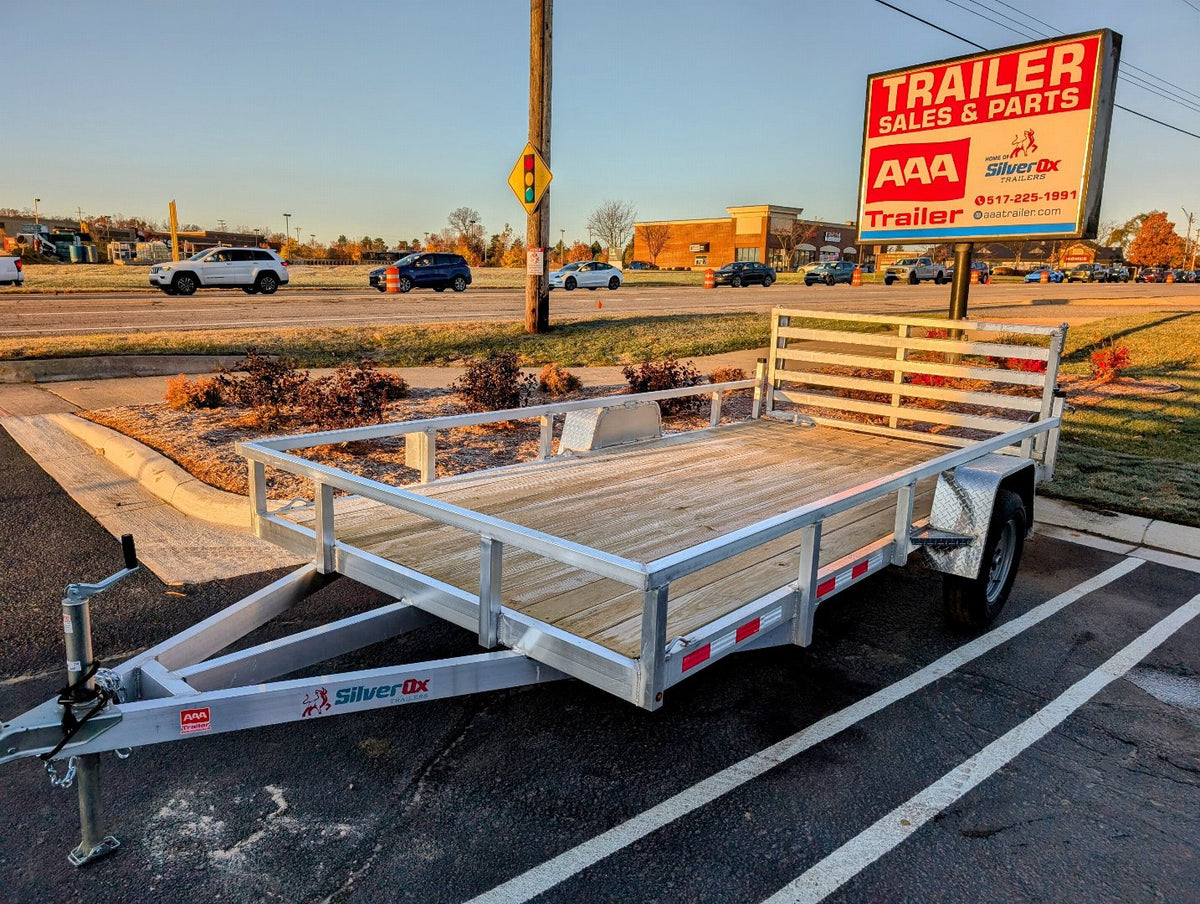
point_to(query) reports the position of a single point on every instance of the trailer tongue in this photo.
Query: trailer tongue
(630, 559)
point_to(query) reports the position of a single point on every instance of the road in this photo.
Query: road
(754, 772)
(26, 315)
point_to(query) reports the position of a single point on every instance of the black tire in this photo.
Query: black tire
(249, 290)
(809, 283)
(829, 280)
(267, 283)
(975, 602)
(614, 283)
(888, 280)
(381, 288)
(735, 282)
(913, 279)
(184, 284)
(405, 284)
(570, 284)
(459, 284)
(767, 282)
(939, 279)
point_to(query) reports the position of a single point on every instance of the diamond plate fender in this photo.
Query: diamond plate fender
(963, 501)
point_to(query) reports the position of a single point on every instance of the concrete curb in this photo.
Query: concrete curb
(56, 370)
(1176, 538)
(159, 475)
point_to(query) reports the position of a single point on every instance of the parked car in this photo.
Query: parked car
(249, 269)
(1150, 274)
(641, 265)
(803, 269)
(586, 275)
(980, 267)
(913, 270)
(12, 273)
(830, 273)
(1089, 273)
(743, 273)
(1036, 275)
(1119, 274)
(426, 270)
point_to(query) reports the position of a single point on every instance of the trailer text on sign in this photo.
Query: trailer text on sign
(1001, 145)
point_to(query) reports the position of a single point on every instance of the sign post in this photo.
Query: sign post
(999, 146)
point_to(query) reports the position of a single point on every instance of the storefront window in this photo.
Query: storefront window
(746, 254)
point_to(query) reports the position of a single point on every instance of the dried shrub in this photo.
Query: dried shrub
(187, 395)
(666, 374)
(558, 381)
(352, 396)
(491, 384)
(1109, 360)
(266, 382)
(726, 375)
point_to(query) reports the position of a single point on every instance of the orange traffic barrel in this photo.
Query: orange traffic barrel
(1045, 277)
(856, 279)
(710, 279)
(1170, 276)
(392, 280)
(974, 277)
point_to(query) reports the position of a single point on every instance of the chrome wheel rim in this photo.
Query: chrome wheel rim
(1002, 557)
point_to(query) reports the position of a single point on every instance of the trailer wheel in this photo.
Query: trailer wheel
(975, 602)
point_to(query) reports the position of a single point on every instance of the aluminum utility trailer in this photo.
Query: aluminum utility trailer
(626, 558)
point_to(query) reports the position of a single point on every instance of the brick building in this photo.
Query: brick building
(758, 232)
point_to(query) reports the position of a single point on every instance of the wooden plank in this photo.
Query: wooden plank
(894, 389)
(949, 346)
(925, 415)
(982, 326)
(989, 374)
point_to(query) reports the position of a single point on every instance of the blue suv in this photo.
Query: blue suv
(426, 270)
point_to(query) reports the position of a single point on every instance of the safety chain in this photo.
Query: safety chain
(67, 780)
(108, 682)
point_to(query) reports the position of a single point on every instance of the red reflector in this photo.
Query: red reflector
(529, 163)
(858, 570)
(696, 657)
(825, 586)
(19, 265)
(747, 630)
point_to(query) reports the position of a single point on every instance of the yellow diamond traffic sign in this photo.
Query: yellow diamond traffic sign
(530, 178)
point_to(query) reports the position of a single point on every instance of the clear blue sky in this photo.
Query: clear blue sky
(380, 117)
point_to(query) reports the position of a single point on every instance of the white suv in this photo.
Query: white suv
(249, 269)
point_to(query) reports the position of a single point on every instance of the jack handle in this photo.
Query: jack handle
(80, 592)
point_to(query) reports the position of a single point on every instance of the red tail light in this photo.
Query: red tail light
(18, 263)
(284, 263)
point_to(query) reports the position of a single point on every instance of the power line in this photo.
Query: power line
(1137, 81)
(981, 47)
(1192, 5)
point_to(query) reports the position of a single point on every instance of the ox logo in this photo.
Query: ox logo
(930, 171)
(316, 703)
(194, 720)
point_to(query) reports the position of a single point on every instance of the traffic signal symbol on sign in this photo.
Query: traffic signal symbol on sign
(529, 178)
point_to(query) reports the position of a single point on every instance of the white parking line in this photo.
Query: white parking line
(541, 878)
(859, 852)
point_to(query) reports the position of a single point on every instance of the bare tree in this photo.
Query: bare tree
(656, 236)
(790, 235)
(612, 224)
(468, 229)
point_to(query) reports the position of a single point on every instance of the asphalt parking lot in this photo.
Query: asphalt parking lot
(894, 760)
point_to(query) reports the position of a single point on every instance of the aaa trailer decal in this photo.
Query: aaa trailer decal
(938, 138)
(194, 720)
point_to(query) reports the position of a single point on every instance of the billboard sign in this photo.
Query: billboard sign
(1008, 144)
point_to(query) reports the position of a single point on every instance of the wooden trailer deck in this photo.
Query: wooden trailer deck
(644, 501)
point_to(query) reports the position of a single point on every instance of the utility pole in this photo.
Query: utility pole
(537, 231)
(36, 219)
(1189, 248)
(287, 226)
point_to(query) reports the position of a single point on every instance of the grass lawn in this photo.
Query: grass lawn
(572, 343)
(1136, 453)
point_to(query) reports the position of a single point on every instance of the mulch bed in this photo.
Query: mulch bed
(202, 441)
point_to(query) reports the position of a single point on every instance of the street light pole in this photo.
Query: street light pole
(36, 219)
(1188, 247)
(287, 222)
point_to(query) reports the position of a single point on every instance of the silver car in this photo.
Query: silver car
(586, 275)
